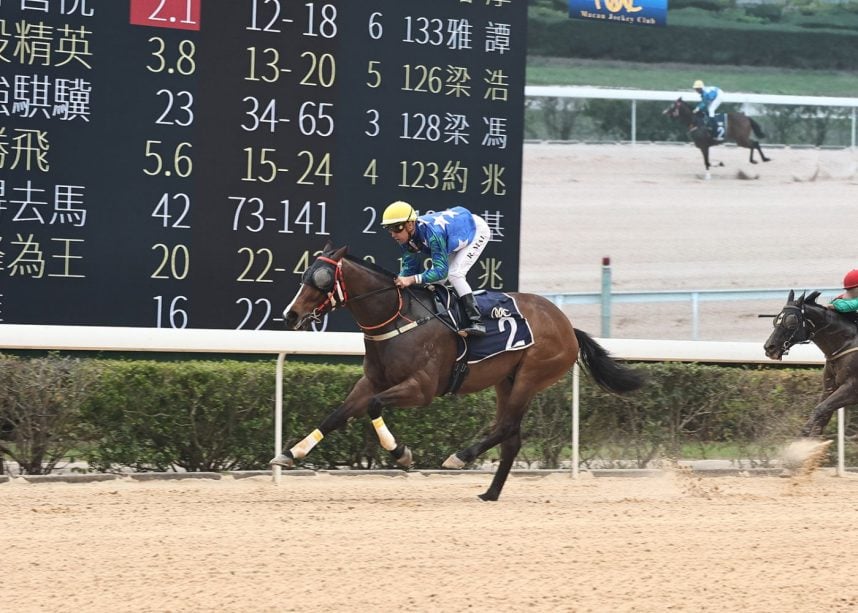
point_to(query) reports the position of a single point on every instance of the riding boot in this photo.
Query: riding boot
(473, 327)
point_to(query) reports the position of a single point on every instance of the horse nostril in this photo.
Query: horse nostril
(290, 318)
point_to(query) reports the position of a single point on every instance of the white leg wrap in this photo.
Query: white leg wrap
(384, 436)
(305, 446)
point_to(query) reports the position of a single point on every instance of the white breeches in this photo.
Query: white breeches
(461, 261)
(713, 106)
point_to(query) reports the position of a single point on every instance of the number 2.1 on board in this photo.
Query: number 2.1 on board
(176, 14)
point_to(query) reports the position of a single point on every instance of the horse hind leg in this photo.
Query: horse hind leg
(509, 450)
(498, 433)
(509, 438)
(511, 408)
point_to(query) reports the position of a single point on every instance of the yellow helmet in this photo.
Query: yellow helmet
(398, 212)
(698, 84)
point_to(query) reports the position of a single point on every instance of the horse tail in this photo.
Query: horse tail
(604, 370)
(758, 131)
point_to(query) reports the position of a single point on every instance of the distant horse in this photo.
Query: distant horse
(739, 128)
(411, 353)
(804, 321)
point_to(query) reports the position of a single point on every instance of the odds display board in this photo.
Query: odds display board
(179, 163)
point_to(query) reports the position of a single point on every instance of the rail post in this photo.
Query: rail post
(606, 297)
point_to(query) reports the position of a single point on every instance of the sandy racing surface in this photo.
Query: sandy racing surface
(426, 543)
(676, 542)
(664, 228)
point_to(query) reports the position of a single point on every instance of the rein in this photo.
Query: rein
(810, 328)
(338, 296)
(803, 326)
(841, 354)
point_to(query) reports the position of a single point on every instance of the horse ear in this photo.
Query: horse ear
(791, 297)
(339, 253)
(329, 246)
(800, 301)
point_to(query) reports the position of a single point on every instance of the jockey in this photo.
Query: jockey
(710, 98)
(847, 302)
(454, 239)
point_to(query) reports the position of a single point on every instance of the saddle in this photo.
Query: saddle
(506, 328)
(717, 126)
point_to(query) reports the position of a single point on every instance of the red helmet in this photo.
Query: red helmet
(851, 279)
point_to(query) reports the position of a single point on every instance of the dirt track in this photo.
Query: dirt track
(417, 543)
(664, 228)
(426, 543)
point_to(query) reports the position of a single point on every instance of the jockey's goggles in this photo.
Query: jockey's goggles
(395, 228)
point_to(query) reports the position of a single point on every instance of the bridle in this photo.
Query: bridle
(333, 286)
(804, 325)
(675, 112)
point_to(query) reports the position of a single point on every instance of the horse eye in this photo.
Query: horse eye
(791, 321)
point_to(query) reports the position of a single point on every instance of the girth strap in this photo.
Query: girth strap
(396, 331)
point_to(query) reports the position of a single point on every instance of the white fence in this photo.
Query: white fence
(281, 344)
(633, 95)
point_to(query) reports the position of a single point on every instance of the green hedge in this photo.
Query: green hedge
(218, 415)
(551, 34)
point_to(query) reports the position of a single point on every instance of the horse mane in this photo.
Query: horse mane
(810, 300)
(370, 265)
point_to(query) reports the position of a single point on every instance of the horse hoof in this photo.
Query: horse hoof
(488, 497)
(406, 459)
(453, 462)
(283, 460)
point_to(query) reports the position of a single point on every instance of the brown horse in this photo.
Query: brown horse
(739, 129)
(411, 353)
(802, 320)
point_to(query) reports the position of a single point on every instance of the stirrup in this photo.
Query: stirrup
(473, 329)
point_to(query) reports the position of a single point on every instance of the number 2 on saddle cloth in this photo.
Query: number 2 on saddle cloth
(506, 327)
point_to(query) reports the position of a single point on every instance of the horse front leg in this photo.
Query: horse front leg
(354, 405)
(760, 149)
(705, 152)
(844, 395)
(398, 451)
(411, 392)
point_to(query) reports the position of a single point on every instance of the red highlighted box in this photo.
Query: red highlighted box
(176, 14)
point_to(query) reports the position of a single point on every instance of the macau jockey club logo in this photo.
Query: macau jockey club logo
(632, 12)
(499, 312)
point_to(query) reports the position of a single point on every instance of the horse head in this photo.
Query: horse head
(795, 324)
(320, 292)
(674, 111)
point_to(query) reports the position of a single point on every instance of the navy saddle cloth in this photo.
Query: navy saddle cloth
(506, 327)
(717, 125)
